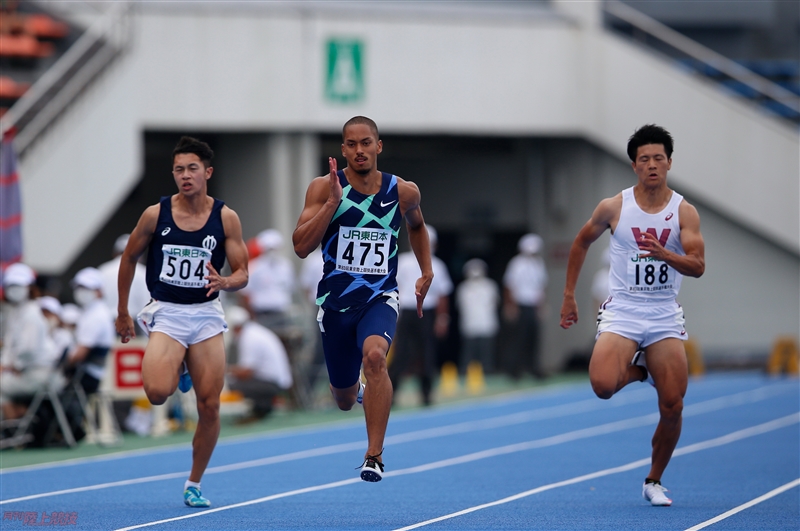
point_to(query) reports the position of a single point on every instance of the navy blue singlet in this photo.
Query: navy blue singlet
(176, 261)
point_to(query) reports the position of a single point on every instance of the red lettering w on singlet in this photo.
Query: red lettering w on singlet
(637, 234)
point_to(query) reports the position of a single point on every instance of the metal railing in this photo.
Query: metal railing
(724, 65)
(62, 83)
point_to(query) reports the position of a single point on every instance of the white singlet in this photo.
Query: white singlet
(634, 279)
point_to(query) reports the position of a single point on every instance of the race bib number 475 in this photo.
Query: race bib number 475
(363, 250)
(184, 266)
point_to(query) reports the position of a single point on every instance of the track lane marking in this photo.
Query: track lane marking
(747, 505)
(697, 447)
(704, 445)
(713, 404)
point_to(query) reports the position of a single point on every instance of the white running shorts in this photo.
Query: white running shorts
(645, 324)
(187, 324)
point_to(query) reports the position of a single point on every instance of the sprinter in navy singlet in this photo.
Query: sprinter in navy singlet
(355, 215)
(655, 239)
(189, 236)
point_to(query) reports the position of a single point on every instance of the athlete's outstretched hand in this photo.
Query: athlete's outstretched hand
(125, 329)
(569, 312)
(420, 290)
(336, 186)
(216, 282)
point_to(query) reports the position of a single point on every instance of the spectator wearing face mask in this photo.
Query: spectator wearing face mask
(94, 331)
(28, 354)
(61, 336)
(477, 299)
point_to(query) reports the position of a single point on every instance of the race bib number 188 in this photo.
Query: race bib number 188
(363, 250)
(649, 274)
(184, 266)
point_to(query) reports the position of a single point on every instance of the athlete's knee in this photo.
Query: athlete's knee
(155, 394)
(344, 400)
(603, 389)
(208, 407)
(374, 360)
(670, 408)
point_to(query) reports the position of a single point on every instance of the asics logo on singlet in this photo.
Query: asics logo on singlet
(669, 217)
(384, 205)
(209, 242)
(166, 231)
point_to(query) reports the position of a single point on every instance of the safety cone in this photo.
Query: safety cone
(475, 381)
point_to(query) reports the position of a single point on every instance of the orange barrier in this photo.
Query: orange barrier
(24, 46)
(784, 357)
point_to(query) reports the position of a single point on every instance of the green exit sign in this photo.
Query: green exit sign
(344, 75)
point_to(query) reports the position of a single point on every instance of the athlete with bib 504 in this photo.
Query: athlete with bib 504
(655, 240)
(188, 237)
(355, 214)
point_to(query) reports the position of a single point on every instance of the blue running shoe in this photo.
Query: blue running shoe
(360, 397)
(193, 498)
(185, 380)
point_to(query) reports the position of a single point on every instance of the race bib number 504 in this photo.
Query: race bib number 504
(184, 266)
(363, 250)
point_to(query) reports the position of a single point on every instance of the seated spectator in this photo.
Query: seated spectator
(262, 371)
(94, 331)
(61, 336)
(28, 355)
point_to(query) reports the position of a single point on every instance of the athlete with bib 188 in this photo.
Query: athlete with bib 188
(355, 215)
(655, 240)
(188, 237)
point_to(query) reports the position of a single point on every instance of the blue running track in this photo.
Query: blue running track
(551, 459)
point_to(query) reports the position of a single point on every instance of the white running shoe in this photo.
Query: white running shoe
(639, 359)
(360, 397)
(654, 493)
(372, 469)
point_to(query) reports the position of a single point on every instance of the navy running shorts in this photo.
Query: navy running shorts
(344, 333)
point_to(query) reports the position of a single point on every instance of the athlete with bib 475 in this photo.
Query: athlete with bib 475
(355, 214)
(655, 240)
(188, 237)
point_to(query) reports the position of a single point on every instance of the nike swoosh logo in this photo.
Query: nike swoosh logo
(387, 335)
(383, 205)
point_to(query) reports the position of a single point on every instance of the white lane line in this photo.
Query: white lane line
(711, 443)
(463, 427)
(725, 439)
(513, 397)
(742, 507)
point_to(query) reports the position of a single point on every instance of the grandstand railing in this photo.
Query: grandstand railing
(62, 83)
(698, 52)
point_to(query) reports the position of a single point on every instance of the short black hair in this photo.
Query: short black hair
(649, 134)
(188, 144)
(362, 120)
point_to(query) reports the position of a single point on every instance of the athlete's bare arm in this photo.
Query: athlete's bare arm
(236, 254)
(322, 199)
(605, 216)
(418, 237)
(137, 243)
(693, 264)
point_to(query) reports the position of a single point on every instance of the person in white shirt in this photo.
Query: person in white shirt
(311, 273)
(28, 355)
(269, 292)
(94, 331)
(477, 300)
(524, 286)
(62, 337)
(415, 340)
(262, 371)
(139, 295)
